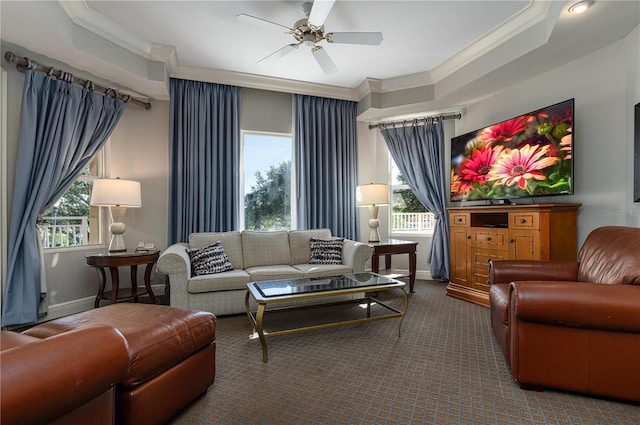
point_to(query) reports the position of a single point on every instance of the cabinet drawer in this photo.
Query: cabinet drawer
(459, 219)
(481, 259)
(491, 239)
(524, 220)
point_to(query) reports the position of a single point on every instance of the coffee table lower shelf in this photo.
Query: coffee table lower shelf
(256, 317)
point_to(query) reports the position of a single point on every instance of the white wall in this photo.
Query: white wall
(140, 151)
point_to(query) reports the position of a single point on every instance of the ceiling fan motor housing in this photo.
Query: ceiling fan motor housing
(306, 34)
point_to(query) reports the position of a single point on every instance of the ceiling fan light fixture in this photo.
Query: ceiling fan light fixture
(580, 7)
(309, 40)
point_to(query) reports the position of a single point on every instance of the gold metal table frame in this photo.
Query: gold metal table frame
(256, 318)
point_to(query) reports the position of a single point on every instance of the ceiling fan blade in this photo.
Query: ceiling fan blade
(279, 53)
(262, 23)
(319, 12)
(367, 38)
(324, 60)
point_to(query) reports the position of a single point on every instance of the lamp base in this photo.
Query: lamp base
(117, 241)
(116, 229)
(374, 223)
(117, 244)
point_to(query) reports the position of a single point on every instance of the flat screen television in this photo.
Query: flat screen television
(527, 156)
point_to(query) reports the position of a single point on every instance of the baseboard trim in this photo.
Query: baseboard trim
(424, 274)
(67, 308)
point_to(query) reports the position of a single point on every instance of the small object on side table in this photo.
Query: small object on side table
(102, 260)
(389, 247)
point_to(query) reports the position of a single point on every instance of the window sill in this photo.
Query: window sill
(74, 248)
(400, 235)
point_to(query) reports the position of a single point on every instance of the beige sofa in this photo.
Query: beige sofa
(255, 256)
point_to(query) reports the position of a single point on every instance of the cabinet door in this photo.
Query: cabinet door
(524, 245)
(460, 256)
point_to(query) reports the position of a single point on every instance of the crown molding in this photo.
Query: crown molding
(368, 86)
(536, 12)
(166, 54)
(264, 83)
(81, 14)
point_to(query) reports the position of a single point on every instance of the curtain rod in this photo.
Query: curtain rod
(22, 64)
(425, 120)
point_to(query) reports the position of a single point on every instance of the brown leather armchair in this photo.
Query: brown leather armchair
(65, 379)
(573, 326)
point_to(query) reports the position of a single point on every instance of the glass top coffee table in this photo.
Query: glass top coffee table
(274, 293)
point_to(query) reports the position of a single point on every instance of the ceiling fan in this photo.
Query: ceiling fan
(310, 30)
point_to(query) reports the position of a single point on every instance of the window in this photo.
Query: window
(408, 215)
(267, 181)
(71, 221)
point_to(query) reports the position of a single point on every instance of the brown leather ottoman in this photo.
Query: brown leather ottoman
(172, 355)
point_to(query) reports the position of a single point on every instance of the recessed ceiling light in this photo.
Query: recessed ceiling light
(580, 7)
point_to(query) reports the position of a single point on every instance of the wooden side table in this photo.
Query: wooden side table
(112, 261)
(389, 247)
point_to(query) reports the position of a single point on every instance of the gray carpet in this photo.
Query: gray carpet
(446, 368)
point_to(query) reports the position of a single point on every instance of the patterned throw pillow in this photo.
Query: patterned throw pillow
(326, 251)
(209, 260)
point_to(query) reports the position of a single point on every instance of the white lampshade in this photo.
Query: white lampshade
(372, 194)
(116, 192)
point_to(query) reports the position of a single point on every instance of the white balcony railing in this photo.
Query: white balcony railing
(412, 222)
(64, 231)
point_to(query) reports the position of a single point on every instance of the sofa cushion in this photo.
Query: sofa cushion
(318, 270)
(209, 260)
(273, 272)
(231, 241)
(326, 251)
(225, 281)
(265, 248)
(300, 247)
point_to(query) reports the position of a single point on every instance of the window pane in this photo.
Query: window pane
(71, 221)
(408, 215)
(405, 201)
(267, 182)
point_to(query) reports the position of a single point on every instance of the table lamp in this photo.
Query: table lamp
(372, 196)
(118, 195)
